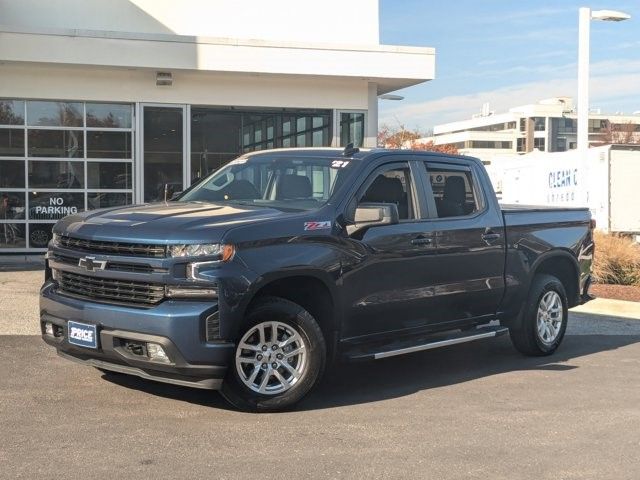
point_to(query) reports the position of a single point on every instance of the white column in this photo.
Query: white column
(583, 79)
(371, 129)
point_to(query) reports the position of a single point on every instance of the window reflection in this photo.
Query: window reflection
(108, 144)
(11, 112)
(54, 114)
(12, 235)
(11, 205)
(52, 174)
(108, 115)
(109, 175)
(11, 142)
(103, 200)
(56, 143)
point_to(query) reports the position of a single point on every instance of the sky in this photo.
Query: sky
(509, 53)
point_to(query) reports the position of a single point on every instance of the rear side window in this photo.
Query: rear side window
(453, 192)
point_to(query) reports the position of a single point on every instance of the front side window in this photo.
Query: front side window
(453, 192)
(392, 186)
(287, 183)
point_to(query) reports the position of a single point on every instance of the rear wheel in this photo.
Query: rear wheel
(544, 319)
(279, 357)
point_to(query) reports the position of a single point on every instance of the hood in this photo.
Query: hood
(160, 223)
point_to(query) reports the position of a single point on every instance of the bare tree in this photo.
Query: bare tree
(620, 133)
(410, 139)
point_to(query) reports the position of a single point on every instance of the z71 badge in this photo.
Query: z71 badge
(326, 225)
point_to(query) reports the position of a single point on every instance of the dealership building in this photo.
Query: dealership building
(107, 102)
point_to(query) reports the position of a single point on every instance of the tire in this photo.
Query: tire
(547, 299)
(300, 344)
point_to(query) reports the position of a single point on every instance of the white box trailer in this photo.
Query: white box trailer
(606, 180)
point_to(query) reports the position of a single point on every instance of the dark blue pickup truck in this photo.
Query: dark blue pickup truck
(284, 263)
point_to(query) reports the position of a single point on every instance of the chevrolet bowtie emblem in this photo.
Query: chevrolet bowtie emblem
(91, 264)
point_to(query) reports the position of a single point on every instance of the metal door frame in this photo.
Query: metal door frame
(139, 153)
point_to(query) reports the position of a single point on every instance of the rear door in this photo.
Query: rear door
(470, 242)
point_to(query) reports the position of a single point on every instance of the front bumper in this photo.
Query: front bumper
(178, 326)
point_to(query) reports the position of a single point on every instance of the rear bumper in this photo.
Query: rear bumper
(178, 326)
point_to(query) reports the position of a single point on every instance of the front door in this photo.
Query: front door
(163, 149)
(389, 289)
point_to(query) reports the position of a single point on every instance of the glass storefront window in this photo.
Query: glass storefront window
(12, 235)
(108, 144)
(54, 205)
(55, 143)
(163, 151)
(351, 129)
(54, 174)
(108, 115)
(11, 205)
(54, 114)
(11, 112)
(104, 200)
(11, 142)
(44, 185)
(109, 175)
(12, 173)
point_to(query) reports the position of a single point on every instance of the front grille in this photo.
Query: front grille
(116, 266)
(110, 290)
(118, 248)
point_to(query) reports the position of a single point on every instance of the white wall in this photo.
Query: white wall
(328, 21)
(197, 88)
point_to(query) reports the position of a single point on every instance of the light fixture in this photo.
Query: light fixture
(164, 79)
(609, 15)
(389, 96)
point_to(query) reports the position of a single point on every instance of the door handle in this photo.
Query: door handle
(490, 236)
(422, 241)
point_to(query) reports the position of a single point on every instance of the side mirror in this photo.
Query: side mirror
(374, 215)
(175, 196)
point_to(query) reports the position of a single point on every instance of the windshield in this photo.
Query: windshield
(287, 183)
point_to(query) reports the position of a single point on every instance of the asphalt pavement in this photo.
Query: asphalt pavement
(477, 410)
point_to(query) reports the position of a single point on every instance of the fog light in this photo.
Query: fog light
(157, 353)
(187, 292)
(48, 328)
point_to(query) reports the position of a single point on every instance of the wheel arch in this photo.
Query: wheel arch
(312, 290)
(563, 265)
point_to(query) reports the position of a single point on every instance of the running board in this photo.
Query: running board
(429, 344)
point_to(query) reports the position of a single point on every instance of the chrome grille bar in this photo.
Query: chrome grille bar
(122, 291)
(94, 246)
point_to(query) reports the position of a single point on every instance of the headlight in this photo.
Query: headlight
(224, 253)
(55, 240)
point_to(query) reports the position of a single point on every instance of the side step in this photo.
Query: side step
(411, 346)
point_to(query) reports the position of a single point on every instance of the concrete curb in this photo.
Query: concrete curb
(609, 307)
(19, 262)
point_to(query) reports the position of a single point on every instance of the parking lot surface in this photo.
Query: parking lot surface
(478, 410)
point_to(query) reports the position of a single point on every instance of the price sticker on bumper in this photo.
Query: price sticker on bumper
(82, 335)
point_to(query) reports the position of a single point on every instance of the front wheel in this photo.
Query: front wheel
(279, 357)
(544, 320)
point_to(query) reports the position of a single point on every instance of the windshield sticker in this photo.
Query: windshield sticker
(339, 163)
(317, 225)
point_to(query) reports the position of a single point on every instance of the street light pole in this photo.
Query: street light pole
(584, 27)
(585, 16)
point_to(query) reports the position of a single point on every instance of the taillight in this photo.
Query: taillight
(592, 224)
